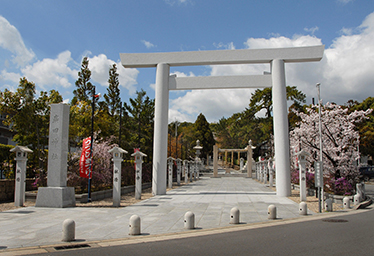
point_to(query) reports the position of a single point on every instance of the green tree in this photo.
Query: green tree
(83, 84)
(140, 123)
(28, 117)
(112, 97)
(366, 126)
(205, 135)
(262, 99)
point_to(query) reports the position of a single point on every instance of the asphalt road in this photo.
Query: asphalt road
(346, 235)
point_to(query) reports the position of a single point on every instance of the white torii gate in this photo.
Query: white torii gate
(164, 82)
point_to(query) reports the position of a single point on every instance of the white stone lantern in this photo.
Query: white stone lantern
(20, 186)
(138, 173)
(117, 160)
(302, 155)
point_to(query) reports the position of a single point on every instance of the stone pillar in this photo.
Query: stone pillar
(160, 137)
(170, 171)
(302, 173)
(249, 158)
(179, 162)
(21, 163)
(57, 195)
(117, 169)
(185, 168)
(138, 173)
(241, 165)
(191, 168)
(280, 123)
(265, 173)
(232, 158)
(271, 173)
(215, 161)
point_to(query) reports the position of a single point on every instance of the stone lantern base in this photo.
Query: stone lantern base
(55, 197)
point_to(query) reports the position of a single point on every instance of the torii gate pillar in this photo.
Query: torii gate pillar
(160, 138)
(280, 121)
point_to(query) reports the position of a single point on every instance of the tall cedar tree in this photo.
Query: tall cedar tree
(205, 135)
(112, 97)
(83, 84)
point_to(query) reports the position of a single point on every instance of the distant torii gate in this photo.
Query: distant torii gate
(248, 150)
(164, 82)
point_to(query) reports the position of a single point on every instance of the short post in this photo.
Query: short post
(234, 216)
(20, 187)
(328, 205)
(189, 220)
(134, 225)
(302, 155)
(303, 209)
(179, 162)
(138, 173)
(346, 202)
(68, 230)
(185, 168)
(117, 167)
(272, 212)
(170, 172)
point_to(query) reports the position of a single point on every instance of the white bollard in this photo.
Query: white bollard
(68, 230)
(303, 209)
(234, 216)
(189, 220)
(272, 212)
(357, 199)
(328, 205)
(346, 202)
(134, 225)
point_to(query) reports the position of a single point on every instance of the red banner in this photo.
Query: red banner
(84, 162)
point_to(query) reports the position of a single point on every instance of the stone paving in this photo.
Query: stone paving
(210, 199)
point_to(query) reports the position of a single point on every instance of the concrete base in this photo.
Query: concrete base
(55, 197)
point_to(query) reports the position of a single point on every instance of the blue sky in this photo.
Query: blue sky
(45, 42)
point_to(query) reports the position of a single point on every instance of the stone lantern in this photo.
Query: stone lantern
(138, 173)
(302, 155)
(198, 148)
(20, 186)
(117, 160)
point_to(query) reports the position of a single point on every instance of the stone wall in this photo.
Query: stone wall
(7, 189)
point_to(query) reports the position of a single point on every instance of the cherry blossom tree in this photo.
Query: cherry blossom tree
(340, 140)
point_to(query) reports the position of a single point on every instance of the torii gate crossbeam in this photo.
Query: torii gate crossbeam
(164, 82)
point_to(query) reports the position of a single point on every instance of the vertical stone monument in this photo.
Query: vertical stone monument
(57, 194)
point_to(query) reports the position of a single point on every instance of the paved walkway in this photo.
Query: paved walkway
(210, 199)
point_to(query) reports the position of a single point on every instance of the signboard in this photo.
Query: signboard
(318, 175)
(85, 160)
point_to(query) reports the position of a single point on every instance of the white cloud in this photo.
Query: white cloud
(100, 65)
(228, 46)
(311, 30)
(345, 72)
(10, 39)
(344, 1)
(172, 2)
(49, 73)
(147, 44)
